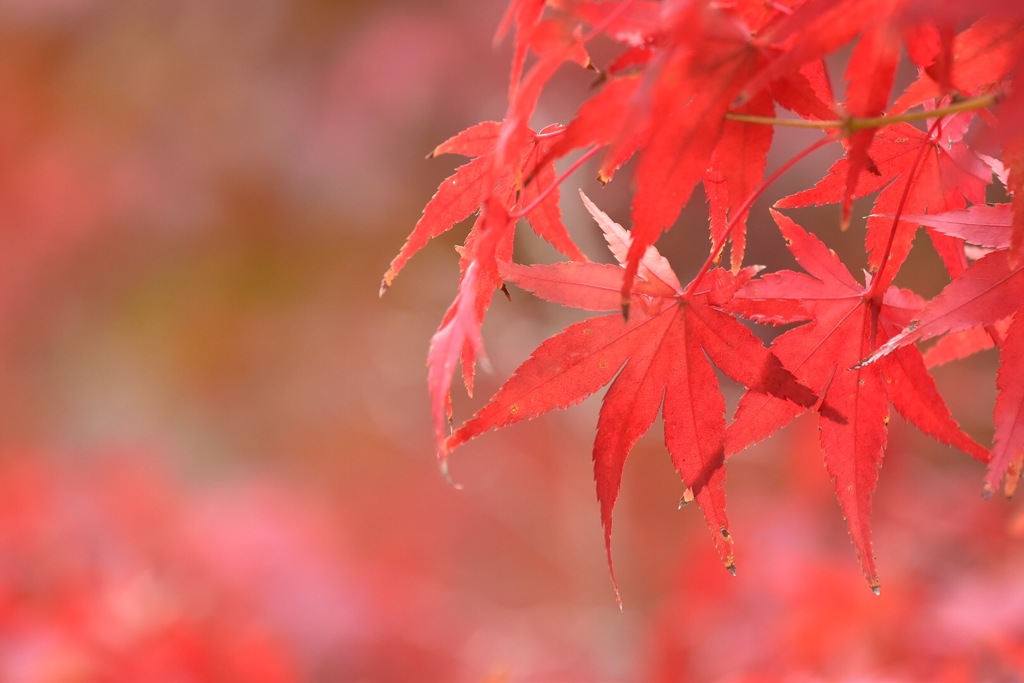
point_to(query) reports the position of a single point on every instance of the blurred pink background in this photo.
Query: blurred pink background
(216, 458)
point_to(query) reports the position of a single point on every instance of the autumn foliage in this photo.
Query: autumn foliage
(691, 98)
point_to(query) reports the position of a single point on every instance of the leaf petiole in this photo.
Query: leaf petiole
(853, 124)
(717, 247)
(521, 213)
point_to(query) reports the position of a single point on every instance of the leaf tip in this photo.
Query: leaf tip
(485, 365)
(845, 214)
(611, 573)
(447, 474)
(1013, 474)
(385, 283)
(606, 522)
(729, 559)
(686, 498)
(875, 587)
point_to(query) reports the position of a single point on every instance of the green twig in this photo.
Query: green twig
(853, 124)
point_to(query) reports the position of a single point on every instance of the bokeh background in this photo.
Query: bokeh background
(216, 458)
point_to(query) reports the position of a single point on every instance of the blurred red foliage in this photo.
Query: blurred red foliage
(111, 568)
(113, 571)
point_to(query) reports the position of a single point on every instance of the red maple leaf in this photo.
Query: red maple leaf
(844, 320)
(981, 224)
(870, 73)
(464, 192)
(988, 291)
(690, 89)
(478, 186)
(551, 39)
(815, 29)
(694, 64)
(957, 345)
(980, 58)
(922, 172)
(511, 177)
(736, 170)
(660, 359)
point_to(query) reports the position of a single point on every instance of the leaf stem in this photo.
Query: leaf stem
(550, 134)
(876, 279)
(784, 123)
(853, 124)
(717, 247)
(521, 213)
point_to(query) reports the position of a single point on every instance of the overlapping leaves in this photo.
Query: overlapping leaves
(990, 290)
(845, 322)
(692, 94)
(658, 360)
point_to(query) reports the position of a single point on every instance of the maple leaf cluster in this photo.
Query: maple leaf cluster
(692, 95)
